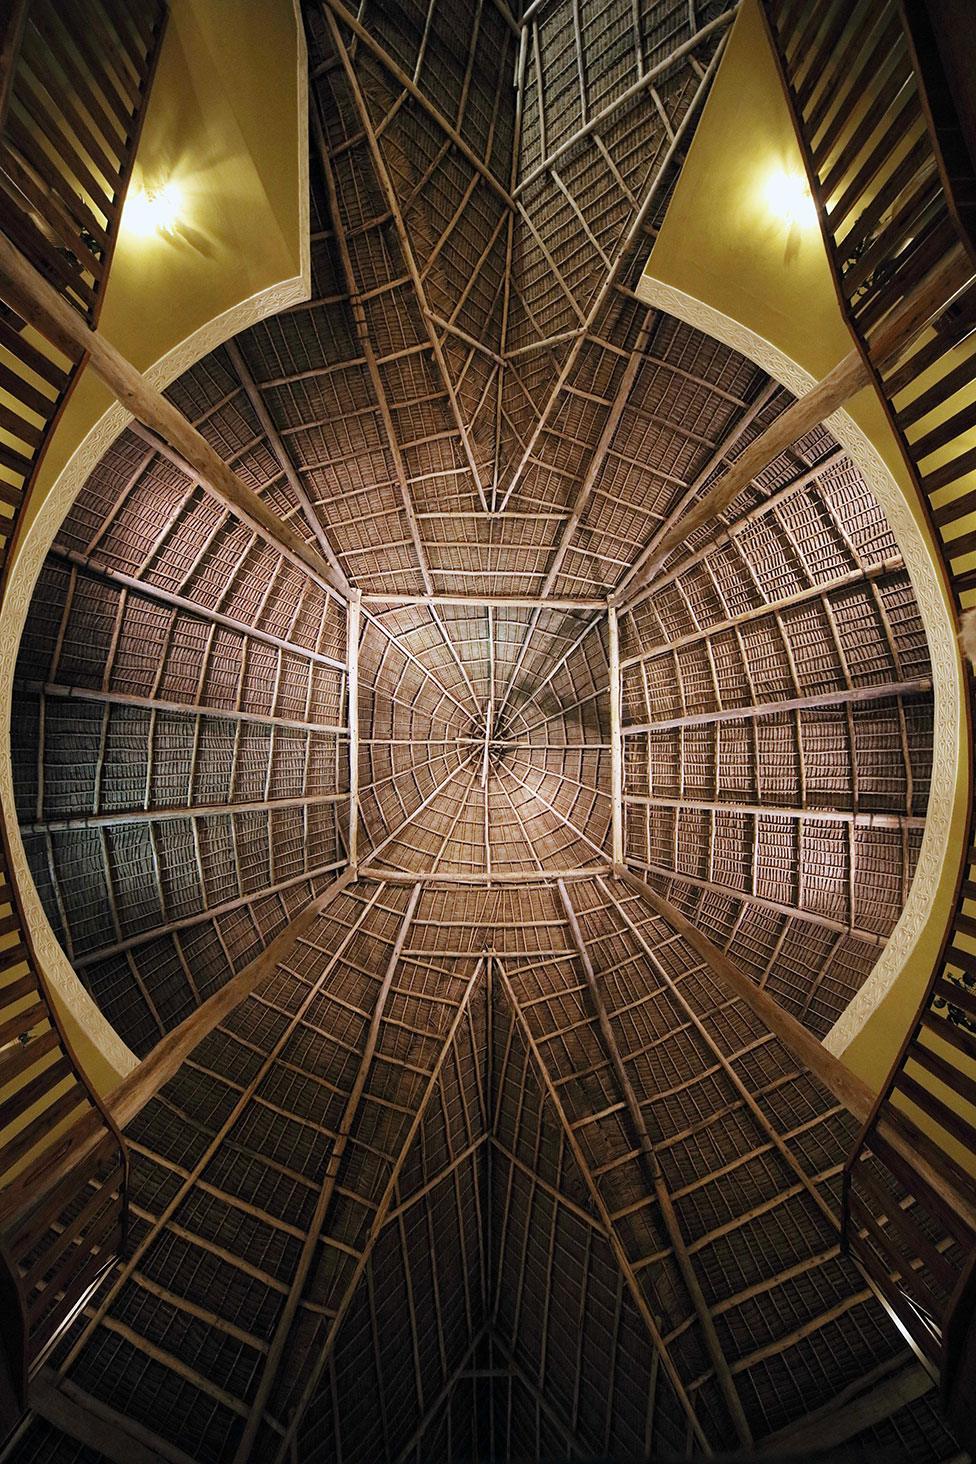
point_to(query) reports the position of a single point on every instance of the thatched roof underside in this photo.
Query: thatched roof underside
(477, 1240)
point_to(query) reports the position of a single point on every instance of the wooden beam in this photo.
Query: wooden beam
(616, 740)
(629, 94)
(166, 1058)
(855, 1410)
(353, 628)
(850, 696)
(385, 181)
(369, 355)
(519, 876)
(188, 922)
(313, 1236)
(379, 1218)
(253, 393)
(97, 1426)
(178, 708)
(660, 1190)
(596, 1195)
(150, 591)
(846, 1087)
(807, 412)
(773, 810)
(847, 378)
(410, 86)
(749, 415)
(810, 917)
(498, 602)
(160, 815)
(51, 314)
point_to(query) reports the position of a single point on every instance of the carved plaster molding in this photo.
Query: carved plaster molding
(931, 894)
(55, 967)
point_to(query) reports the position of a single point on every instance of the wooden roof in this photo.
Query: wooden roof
(490, 1165)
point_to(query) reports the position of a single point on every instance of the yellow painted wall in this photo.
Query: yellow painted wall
(226, 124)
(723, 243)
(222, 125)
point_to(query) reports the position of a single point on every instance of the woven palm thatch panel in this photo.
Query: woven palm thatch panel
(493, 1188)
(247, 1127)
(562, 1311)
(422, 1297)
(142, 727)
(805, 605)
(582, 1206)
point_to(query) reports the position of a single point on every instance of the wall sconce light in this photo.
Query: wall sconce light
(788, 197)
(152, 210)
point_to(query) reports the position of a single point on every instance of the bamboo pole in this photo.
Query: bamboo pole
(616, 740)
(353, 626)
(145, 1081)
(653, 1170)
(51, 314)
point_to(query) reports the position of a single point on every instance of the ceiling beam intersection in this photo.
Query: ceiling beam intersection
(403, 235)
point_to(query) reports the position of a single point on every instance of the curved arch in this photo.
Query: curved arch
(932, 890)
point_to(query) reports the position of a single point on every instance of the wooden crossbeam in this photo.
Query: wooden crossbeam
(166, 1058)
(337, 1150)
(382, 1209)
(616, 1245)
(616, 740)
(655, 1180)
(51, 314)
(353, 631)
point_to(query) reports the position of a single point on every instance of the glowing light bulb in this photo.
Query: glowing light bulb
(153, 210)
(789, 197)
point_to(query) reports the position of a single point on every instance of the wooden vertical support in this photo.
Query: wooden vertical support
(353, 622)
(616, 739)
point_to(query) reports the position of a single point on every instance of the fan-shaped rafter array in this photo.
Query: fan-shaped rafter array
(490, 1163)
(401, 1195)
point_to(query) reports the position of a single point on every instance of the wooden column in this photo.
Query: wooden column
(353, 623)
(616, 740)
